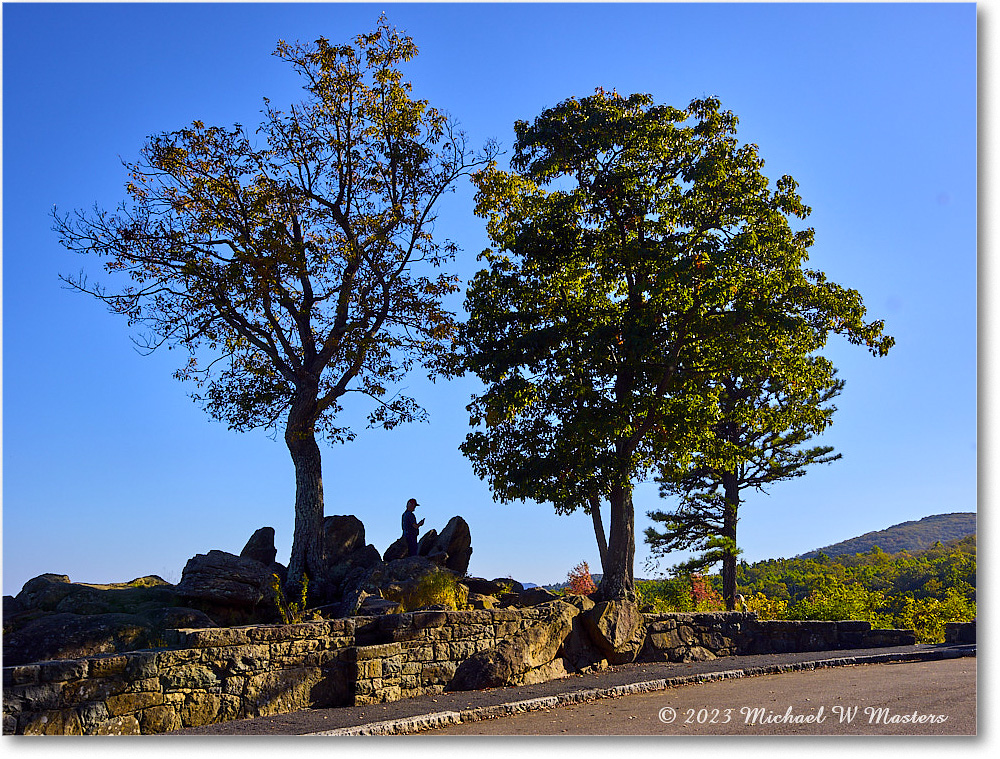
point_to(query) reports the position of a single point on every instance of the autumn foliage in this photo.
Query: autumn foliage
(703, 596)
(580, 581)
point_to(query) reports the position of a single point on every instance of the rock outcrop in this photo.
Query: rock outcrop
(397, 550)
(344, 573)
(260, 547)
(617, 628)
(400, 581)
(342, 535)
(513, 661)
(493, 587)
(535, 596)
(455, 541)
(53, 618)
(451, 548)
(223, 578)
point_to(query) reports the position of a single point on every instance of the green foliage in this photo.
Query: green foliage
(686, 592)
(293, 262)
(834, 601)
(636, 246)
(149, 581)
(767, 608)
(506, 587)
(766, 415)
(658, 596)
(928, 615)
(290, 611)
(921, 591)
(436, 587)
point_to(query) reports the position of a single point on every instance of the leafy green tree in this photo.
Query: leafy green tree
(632, 242)
(834, 601)
(764, 420)
(296, 271)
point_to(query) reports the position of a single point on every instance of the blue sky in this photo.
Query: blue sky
(110, 472)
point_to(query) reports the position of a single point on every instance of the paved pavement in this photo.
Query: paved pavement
(906, 698)
(429, 712)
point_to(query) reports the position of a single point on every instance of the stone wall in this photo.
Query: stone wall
(699, 637)
(418, 653)
(220, 674)
(958, 633)
(209, 675)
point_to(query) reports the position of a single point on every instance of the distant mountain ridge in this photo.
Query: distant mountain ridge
(907, 536)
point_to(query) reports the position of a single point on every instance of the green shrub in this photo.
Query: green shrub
(290, 612)
(437, 587)
(928, 616)
(837, 601)
(767, 608)
(667, 595)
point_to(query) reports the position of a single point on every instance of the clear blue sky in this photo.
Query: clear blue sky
(111, 472)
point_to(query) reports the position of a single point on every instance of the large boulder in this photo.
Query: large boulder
(260, 547)
(427, 546)
(373, 606)
(455, 540)
(55, 593)
(542, 639)
(427, 543)
(74, 636)
(579, 650)
(222, 578)
(339, 578)
(178, 617)
(535, 596)
(617, 628)
(493, 587)
(397, 550)
(342, 535)
(12, 607)
(494, 668)
(45, 592)
(510, 661)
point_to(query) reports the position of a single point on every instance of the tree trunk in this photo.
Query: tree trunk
(618, 581)
(602, 539)
(729, 519)
(307, 540)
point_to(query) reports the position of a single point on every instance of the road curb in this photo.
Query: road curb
(441, 719)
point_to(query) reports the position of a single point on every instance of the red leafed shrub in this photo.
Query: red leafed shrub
(580, 581)
(703, 596)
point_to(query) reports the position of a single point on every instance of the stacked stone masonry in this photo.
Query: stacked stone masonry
(960, 633)
(219, 674)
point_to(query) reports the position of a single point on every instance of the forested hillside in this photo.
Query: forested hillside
(907, 536)
(919, 591)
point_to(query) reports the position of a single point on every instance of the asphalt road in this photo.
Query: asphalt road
(908, 698)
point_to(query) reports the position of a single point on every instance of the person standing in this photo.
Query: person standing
(411, 526)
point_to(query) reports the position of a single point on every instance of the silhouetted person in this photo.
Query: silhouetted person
(411, 526)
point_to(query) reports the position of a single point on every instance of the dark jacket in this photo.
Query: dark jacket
(409, 523)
